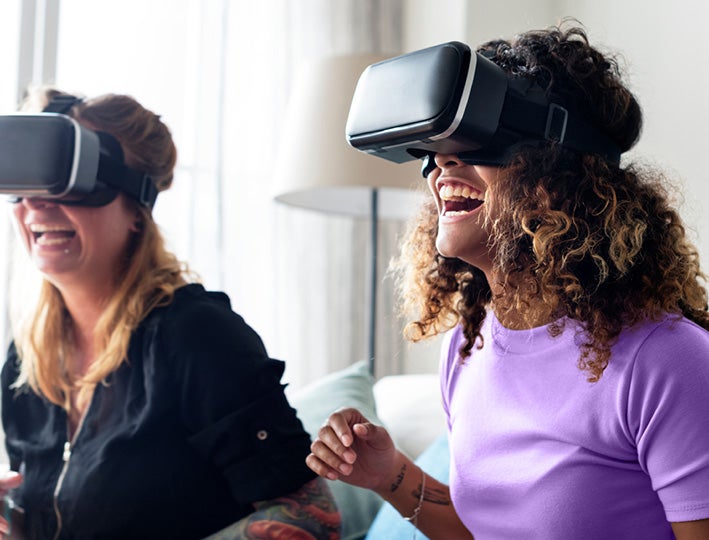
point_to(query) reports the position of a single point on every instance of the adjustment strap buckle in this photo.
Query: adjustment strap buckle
(557, 119)
(147, 192)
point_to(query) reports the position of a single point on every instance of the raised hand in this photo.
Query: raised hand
(350, 448)
(8, 480)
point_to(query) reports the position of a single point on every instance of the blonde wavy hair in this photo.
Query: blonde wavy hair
(583, 238)
(43, 333)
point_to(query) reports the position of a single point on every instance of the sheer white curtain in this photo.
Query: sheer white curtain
(219, 73)
(323, 293)
(9, 59)
(9, 45)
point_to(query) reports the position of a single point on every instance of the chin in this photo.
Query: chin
(445, 249)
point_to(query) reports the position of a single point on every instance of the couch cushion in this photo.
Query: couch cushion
(350, 387)
(388, 524)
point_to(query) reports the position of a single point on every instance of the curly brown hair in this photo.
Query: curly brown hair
(584, 238)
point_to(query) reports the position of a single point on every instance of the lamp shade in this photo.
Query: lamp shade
(317, 169)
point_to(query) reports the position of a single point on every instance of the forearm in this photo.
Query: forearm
(307, 513)
(436, 517)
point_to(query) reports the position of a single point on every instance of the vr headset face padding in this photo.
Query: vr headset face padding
(449, 99)
(50, 155)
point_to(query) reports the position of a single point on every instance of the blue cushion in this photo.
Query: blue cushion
(349, 387)
(388, 524)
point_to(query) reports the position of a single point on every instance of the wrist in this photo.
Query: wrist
(401, 475)
(413, 518)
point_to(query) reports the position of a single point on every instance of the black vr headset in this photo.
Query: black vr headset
(50, 155)
(448, 99)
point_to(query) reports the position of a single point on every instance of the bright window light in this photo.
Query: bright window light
(9, 45)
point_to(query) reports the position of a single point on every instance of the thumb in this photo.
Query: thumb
(371, 433)
(10, 480)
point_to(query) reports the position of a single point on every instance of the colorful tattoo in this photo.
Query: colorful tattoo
(307, 514)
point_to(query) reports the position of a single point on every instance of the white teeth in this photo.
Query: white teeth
(448, 192)
(51, 235)
(40, 228)
(44, 241)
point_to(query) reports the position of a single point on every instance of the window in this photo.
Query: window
(9, 45)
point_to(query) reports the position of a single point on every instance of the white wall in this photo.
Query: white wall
(666, 48)
(504, 18)
(429, 22)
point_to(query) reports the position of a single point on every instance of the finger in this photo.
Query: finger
(331, 440)
(10, 480)
(4, 527)
(376, 437)
(321, 468)
(340, 422)
(367, 431)
(362, 431)
(334, 454)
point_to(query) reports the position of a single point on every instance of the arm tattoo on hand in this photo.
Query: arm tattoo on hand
(307, 514)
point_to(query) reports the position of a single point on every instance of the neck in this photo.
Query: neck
(85, 307)
(84, 310)
(518, 312)
(521, 319)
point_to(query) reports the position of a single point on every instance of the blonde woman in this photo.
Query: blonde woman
(135, 403)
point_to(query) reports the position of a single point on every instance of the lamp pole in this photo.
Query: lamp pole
(373, 273)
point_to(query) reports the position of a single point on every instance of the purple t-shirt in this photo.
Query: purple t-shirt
(538, 452)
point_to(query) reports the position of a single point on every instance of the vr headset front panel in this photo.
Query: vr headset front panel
(46, 155)
(51, 155)
(447, 99)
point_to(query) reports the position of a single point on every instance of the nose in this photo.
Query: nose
(447, 160)
(432, 162)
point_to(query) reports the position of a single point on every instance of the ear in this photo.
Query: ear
(137, 225)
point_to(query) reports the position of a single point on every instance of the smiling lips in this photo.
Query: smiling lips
(51, 235)
(459, 199)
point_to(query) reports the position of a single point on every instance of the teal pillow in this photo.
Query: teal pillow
(349, 387)
(388, 524)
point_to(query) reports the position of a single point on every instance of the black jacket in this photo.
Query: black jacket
(179, 441)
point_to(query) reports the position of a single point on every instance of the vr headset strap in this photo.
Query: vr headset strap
(555, 122)
(136, 184)
(61, 104)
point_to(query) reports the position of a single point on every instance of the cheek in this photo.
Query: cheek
(18, 212)
(18, 215)
(431, 183)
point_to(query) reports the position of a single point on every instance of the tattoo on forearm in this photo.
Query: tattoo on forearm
(399, 478)
(436, 496)
(432, 495)
(307, 514)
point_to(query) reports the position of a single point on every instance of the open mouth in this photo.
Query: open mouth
(459, 199)
(49, 235)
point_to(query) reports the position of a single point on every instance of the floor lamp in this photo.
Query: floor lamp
(316, 168)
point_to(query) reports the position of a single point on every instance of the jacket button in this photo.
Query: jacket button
(262, 435)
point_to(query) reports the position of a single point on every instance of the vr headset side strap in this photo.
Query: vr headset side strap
(138, 185)
(555, 122)
(61, 104)
(584, 137)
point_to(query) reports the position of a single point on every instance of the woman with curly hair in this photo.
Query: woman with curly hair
(575, 369)
(135, 403)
